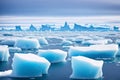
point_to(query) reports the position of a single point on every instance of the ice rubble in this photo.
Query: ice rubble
(54, 55)
(4, 53)
(95, 51)
(29, 65)
(86, 68)
(26, 43)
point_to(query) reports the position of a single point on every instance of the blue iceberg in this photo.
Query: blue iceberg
(29, 65)
(26, 43)
(95, 51)
(54, 55)
(86, 68)
(4, 53)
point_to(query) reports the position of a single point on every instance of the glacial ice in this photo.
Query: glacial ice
(43, 41)
(26, 43)
(29, 65)
(4, 53)
(86, 68)
(54, 55)
(95, 51)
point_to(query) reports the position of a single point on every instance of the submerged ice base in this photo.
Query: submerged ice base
(54, 55)
(86, 68)
(95, 51)
(29, 65)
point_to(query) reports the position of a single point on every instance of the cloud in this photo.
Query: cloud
(59, 7)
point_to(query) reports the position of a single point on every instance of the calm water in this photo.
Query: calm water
(62, 71)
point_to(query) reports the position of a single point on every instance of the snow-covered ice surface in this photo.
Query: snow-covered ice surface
(62, 41)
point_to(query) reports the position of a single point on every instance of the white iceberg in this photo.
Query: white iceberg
(26, 43)
(95, 51)
(86, 68)
(4, 53)
(29, 65)
(54, 55)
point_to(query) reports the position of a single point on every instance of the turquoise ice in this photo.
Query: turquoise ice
(86, 68)
(95, 51)
(26, 43)
(54, 55)
(29, 65)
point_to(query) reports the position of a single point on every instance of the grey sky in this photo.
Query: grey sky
(59, 7)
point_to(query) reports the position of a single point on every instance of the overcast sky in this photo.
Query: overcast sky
(59, 7)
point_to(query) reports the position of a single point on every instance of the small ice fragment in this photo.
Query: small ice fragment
(29, 65)
(54, 55)
(25, 43)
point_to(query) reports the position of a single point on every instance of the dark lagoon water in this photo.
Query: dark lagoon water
(63, 70)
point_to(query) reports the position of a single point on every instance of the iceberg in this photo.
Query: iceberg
(4, 53)
(86, 68)
(29, 65)
(26, 43)
(95, 51)
(54, 55)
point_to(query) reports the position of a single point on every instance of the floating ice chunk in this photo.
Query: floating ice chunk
(29, 65)
(43, 41)
(95, 51)
(94, 42)
(86, 68)
(4, 53)
(26, 43)
(53, 56)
